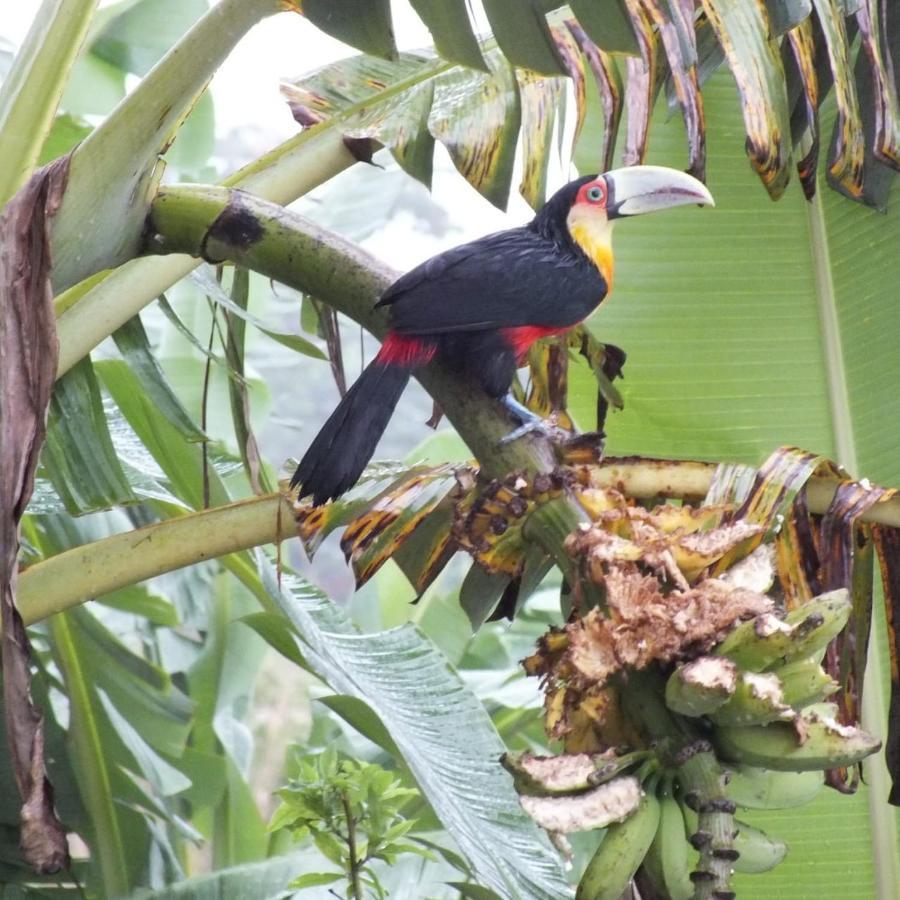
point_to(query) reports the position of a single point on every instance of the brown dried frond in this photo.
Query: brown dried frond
(661, 606)
(645, 625)
(679, 543)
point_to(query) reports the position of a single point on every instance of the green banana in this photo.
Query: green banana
(824, 710)
(804, 681)
(758, 699)
(670, 859)
(757, 851)
(598, 807)
(701, 686)
(567, 773)
(824, 744)
(754, 788)
(624, 847)
(766, 640)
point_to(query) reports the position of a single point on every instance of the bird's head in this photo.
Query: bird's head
(583, 211)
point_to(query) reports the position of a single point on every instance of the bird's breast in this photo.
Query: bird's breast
(594, 240)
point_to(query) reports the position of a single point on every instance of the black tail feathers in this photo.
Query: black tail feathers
(340, 451)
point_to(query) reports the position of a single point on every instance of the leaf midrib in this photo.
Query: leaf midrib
(885, 841)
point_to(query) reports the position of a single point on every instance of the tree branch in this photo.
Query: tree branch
(95, 569)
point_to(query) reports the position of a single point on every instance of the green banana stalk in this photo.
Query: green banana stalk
(813, 741)
(766, 640)
(623, 849)
(758, 699)
(804, 681)
(754, 788)
(670, 858)
(758, 852)
(701, 686)
(755, 850)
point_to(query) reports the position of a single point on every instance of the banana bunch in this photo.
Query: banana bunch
(653, 829)
(659, 844)
(762, 691)
(750, 729)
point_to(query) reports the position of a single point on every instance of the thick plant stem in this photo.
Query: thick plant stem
(31, 90)
(549, 526)
(92, 570)
(699, 775)
(703, 782)
(114, 174)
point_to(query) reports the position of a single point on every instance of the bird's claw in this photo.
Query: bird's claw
(549, 430)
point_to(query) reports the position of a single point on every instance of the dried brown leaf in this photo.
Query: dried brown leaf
(609, 87)
(28, 356)
(684, 78)
(641, 86)
(645, 625)
(887, 543)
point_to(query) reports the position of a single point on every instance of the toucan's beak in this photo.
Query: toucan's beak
(643, 189)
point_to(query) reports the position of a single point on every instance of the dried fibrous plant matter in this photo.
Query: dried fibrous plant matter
(712, 652)
(690, 665)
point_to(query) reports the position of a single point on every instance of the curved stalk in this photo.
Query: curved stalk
(82, 573)
(114, 173)
(32, 88)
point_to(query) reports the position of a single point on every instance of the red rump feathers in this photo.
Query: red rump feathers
(404, 351)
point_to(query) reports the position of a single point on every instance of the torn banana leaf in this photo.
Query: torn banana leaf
(479, 115)
(373, 496)
(743, 32)
(679, 45)
(847, 154)
(641, 86)
(372, 538)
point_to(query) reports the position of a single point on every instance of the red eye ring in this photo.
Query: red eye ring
(593, 193)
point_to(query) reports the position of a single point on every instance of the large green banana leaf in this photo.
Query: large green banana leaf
(749, 326)
(442, 731)
(785, 56)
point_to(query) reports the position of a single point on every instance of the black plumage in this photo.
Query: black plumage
(345, 443)
(465, 306)
(532, 275)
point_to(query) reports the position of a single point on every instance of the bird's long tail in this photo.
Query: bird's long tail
(340, 451)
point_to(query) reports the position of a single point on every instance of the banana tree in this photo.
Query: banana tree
(820, 269)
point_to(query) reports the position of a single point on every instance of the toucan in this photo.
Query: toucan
(478, 308)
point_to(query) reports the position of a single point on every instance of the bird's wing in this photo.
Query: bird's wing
(504, 280)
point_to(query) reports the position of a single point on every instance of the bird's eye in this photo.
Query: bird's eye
(595, 194)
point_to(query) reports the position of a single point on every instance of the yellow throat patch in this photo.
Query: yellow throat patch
(592, 231)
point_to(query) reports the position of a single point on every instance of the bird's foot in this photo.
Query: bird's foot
(532, 423)
(547, 429)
